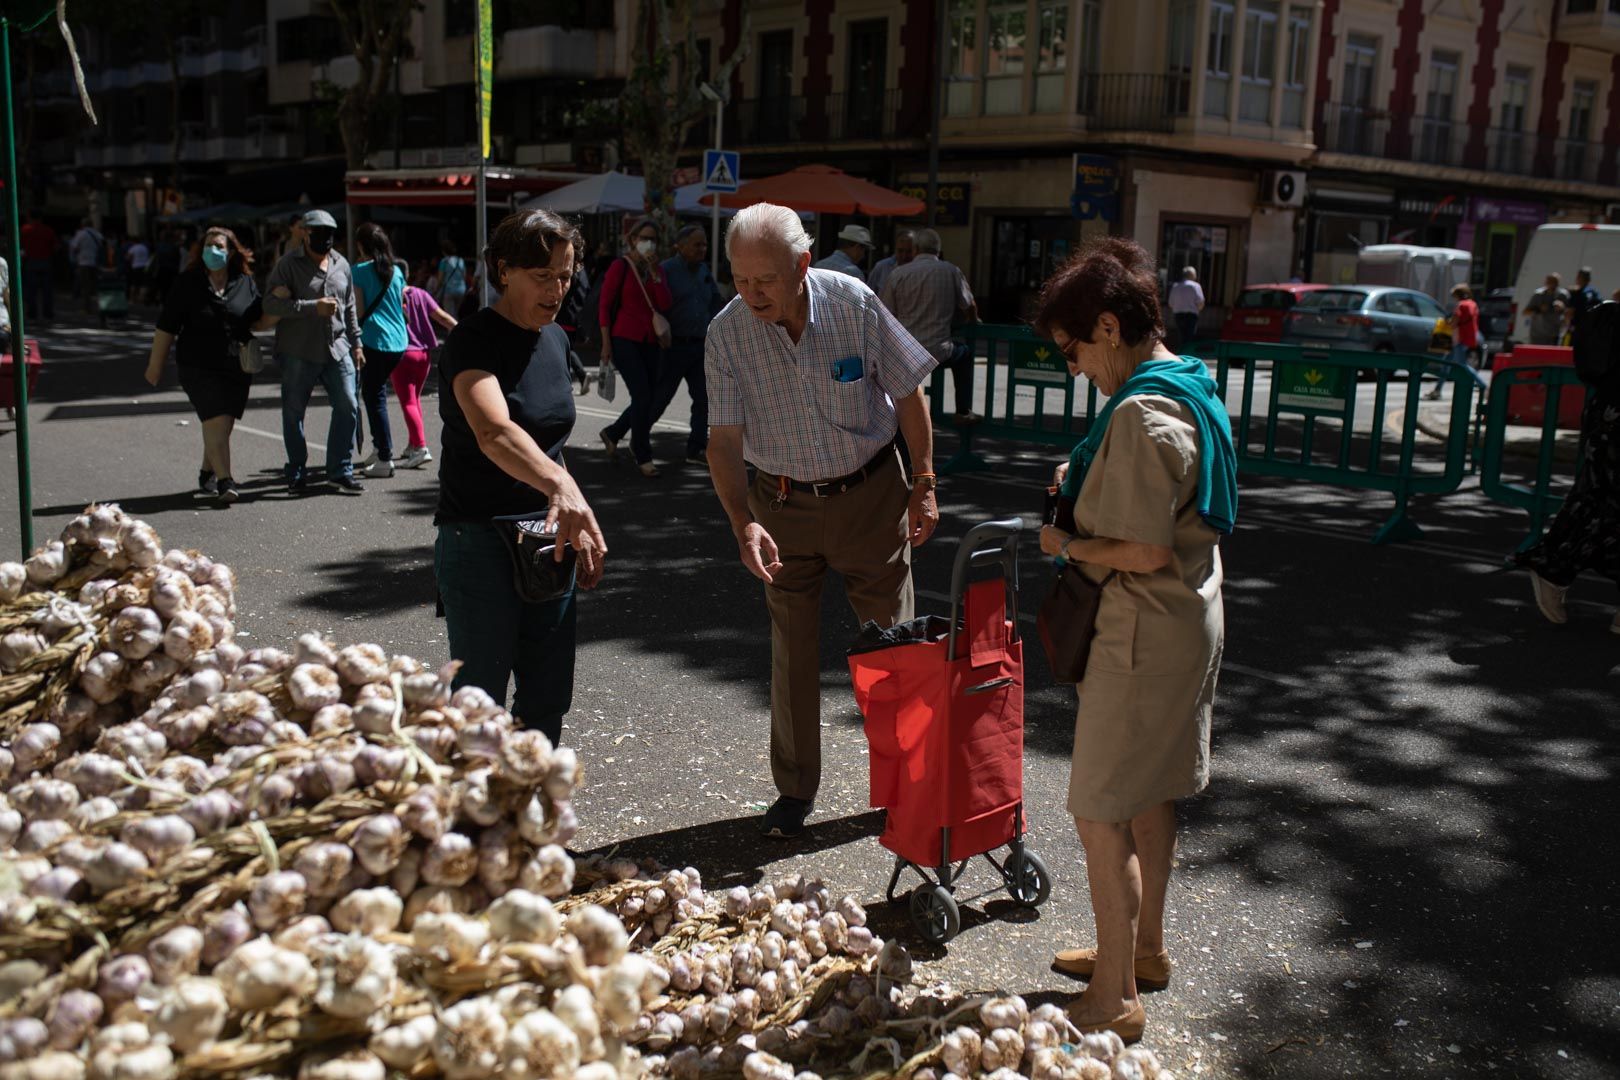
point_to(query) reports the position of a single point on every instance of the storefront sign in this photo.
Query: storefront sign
(954, 205)
(1446, 208)
(1217, 240)
(1096, 187)
(1506, 212)
(1038, 362)
(1312, 388)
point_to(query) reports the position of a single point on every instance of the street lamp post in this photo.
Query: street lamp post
(719, 120)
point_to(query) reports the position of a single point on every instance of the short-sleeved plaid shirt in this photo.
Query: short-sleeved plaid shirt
(824, 407)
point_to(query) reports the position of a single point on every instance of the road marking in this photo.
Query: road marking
(603, 414)
(1226, 665)
(277, 437)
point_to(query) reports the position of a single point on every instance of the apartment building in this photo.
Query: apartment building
(1253, 139)
(254, 103)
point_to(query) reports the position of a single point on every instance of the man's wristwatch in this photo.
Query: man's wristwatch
(927, 480)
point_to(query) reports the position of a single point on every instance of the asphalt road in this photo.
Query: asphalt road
(1404, 864)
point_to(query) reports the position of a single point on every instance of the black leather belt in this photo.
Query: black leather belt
(825, 489)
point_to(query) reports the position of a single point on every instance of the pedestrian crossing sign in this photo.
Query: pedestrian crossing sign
(720, 170)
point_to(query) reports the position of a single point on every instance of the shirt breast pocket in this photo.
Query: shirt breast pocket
(847, 404)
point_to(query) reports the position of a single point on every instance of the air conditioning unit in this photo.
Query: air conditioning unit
(1282, 187)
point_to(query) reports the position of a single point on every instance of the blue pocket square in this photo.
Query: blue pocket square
(849, 369)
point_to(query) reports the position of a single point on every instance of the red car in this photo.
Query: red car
(1261, 310)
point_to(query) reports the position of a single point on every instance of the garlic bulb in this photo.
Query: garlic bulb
(276, 898)
(576, 1008)
(192, 1012)
(244, 717)
(175, 954)
(362, 664)
(42, 799)
(314, 649)
(521, 915)
(152, 674)
(762, 1066)
(1003, 1048)
(350, 1065)
(550, 872)
(34, 747)
(562, 775)
(452, 859)
(171, 593)
(40, 835)
(302, 934)
(13, 577)
(102, 679)
(22, 1037)
(373, 764)
(540, 1046)
(72, 1017)
(140, 543)
(368, 911)
(195, 689)
(259, 974)
(211, 812)
(44, 566)
(428, 812)
(356, 975)
(135, 633)
(471, 1040)
(324, 865)
(223, 931)
(450, 937)
(474, 702)
(313, 687)
(20, 646)
(159, 837)
(115, 866)
(379, 842)
(525, 757)
(405, 1046)
(133, 741)
(121, 978)
(599, 934)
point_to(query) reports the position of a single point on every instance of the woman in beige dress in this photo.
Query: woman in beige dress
(1154, 486)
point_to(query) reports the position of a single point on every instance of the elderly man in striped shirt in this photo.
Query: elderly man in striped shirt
(810, 379)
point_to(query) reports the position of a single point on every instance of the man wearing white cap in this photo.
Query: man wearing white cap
(853, 244)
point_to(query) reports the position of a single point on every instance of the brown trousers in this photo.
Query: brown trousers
(861, 535)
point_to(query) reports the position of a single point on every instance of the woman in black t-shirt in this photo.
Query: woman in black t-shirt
(212, 310)
(507, 416)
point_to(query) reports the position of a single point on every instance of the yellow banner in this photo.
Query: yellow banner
(486, 72)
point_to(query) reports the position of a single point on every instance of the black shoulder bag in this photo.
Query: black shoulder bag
(537, 575)
(1067, 619)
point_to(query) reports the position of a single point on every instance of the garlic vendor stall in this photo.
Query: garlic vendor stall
(327, 864)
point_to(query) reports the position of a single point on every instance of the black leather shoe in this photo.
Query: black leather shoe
(785, 819)
(348, 485)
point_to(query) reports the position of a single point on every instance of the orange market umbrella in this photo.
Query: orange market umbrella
(822, 189)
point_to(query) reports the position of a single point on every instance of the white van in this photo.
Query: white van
(1563, 250)
(1406, 266)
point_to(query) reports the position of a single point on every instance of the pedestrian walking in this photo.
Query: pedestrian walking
(508, 410)
(905, 249)
(694, 301)
(1464, 333)
(380, 295)
(1586, 533)
(815, 405)
(208, 316)
(311, 292)
(1152, 487)
(39, 254)
(421, 315)
(929, 295)
(452, 272)
(1186, 304)
(1545, 312)
(137, 257)
(634, 299)
(88, 250)
(853, 244)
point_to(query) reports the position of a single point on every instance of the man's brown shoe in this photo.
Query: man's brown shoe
(1152, 972)
(1128, 1025)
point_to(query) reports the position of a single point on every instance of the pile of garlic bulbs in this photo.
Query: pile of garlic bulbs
(327, 863)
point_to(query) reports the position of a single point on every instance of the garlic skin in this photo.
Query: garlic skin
(450, 937)
(550, 872)
(121, 978)
(358, 665)
(244, 717)
(540, 1047)
(135, 633)
(260, 974)
(452, 859)
(22, 1037)
(175, 954)
(44, 566)
(302, 934)
(368, 911)
(20, 646)
(471, 1040)
(13, 578)
(192, 1012)
(277, 898)
(600, 935)
(42, 799)
(224, 931)
(324, 865)
(379, 842)
(314, 649)
(405, 1046)
(72, 1017)
(34, 747)
(115, 866)
(356, 975)
(102, 679)
(520, 915)
(525, 757)
(158, 838)
(350, 1065)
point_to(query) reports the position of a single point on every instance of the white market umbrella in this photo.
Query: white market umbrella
(604, 193)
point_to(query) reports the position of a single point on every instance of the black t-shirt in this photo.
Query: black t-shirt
(208, 326)
(532, 368)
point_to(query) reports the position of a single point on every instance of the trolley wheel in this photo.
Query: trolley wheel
(934, 913)
(1037, 880)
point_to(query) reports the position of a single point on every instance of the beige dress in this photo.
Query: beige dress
(1142, 733)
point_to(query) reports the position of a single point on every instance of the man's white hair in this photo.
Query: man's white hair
(928, 241)
(1189, 273)
(767, 223)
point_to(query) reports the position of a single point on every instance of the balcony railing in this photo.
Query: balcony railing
(1349, 129)
(827, 118)
(1133, 102)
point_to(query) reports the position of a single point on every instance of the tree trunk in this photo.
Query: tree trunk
(354, 117)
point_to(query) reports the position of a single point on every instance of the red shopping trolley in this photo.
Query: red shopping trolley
(944, 708)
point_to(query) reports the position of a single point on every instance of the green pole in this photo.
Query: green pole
(19, 342)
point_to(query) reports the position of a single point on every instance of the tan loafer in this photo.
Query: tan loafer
(1152, 972)
(1128, 1025)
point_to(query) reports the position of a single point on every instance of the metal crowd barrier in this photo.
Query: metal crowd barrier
(1024, 374)
(1538, 499)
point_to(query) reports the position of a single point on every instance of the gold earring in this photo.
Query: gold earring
(1114, 343)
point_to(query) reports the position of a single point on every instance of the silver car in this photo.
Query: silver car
(1375, 317)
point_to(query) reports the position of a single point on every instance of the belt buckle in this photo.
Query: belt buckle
(818, 490)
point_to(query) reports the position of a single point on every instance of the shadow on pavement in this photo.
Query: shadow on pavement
(730, 852)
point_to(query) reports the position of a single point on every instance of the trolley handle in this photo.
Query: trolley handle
(974, 551)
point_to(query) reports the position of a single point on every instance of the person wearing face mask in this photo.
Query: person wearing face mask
(635, 297)
(508, 408)
(210, 313)
(311, 292)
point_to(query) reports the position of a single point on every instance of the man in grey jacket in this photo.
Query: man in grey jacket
(317, 341)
